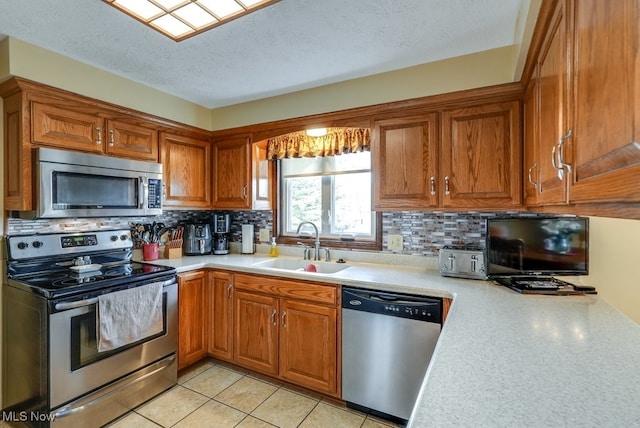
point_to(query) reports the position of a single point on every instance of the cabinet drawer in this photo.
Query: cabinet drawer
(301, 290)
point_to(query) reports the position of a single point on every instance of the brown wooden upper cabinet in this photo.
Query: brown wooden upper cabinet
(186, 165)
(585, 125)
(242, 176)
(232, 173)
(83, 128)
(405, 162)
(550, 107)
(481, 156)
(470, 158)
(605, 147)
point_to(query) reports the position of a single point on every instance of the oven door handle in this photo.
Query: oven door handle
(64, 306)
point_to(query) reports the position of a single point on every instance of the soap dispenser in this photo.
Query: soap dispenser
(273, 251)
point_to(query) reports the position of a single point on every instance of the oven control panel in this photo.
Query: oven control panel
(78, 241)
(22, 247)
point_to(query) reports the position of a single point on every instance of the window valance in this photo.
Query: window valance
(336, 141)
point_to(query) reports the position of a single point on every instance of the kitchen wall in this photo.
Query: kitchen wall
(34, 63)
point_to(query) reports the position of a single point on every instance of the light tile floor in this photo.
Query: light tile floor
(210, 394)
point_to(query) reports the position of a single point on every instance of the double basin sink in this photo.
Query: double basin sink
(311, 266)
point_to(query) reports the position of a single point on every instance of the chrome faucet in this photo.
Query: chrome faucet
(316, 254)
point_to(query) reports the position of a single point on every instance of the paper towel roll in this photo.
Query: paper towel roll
(247, 239)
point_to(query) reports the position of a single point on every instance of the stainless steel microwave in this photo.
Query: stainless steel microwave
(74, 184)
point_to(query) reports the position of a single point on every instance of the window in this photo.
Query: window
(333, 192)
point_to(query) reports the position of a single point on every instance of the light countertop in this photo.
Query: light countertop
(503, 358)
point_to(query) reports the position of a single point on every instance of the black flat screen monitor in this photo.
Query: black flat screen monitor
(537, 246)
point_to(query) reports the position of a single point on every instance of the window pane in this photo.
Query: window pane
(304, 195)
(352, 204)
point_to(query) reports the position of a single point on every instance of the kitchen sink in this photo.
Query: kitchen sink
(301, 265)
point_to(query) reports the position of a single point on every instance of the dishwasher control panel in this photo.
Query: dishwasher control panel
(421, 308)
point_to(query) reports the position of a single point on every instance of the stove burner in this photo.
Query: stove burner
(79, 279)
(124, 270)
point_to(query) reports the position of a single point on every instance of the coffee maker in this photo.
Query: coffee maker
(221, 225)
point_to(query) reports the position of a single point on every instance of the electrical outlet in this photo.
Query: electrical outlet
(395, 243)
(265, 235)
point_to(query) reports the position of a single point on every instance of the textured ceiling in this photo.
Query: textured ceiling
(290, 46)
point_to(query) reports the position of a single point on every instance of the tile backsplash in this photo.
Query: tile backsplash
(423, 233)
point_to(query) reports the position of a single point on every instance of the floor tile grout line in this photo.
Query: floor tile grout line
(307, 415)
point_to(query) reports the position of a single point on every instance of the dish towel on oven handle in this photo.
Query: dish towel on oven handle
(128, 316)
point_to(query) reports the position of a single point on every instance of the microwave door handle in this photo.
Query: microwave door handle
(144, 189)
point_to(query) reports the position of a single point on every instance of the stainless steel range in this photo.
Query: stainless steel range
(88, 334)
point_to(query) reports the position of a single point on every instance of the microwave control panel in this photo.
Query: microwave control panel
(155, 193)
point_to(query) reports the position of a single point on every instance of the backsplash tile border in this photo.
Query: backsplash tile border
(424, 232)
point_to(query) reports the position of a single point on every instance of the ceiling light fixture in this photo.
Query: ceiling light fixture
(317, 132)
(181, 19)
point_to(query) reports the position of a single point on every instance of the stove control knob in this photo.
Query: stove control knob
(22, 245)
(37, 244)
(124, 237)
(114, 238)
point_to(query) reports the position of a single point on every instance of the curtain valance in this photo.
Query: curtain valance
(336, 141)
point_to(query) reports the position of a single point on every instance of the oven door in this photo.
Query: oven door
(76, 366)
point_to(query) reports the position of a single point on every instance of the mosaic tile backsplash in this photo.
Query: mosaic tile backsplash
(424, 233)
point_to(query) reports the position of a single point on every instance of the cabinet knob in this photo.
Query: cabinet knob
(99, 139)
(447, 191)
(112, 138)
(433, 185)
(273, 317)
(244, 192)
(284, 318)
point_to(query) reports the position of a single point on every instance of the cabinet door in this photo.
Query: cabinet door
(606, 155)
(256, 332)
(232, 174)
(481, 157)
(130, 140)
(186, 166)
(404, 158)
(191, 318)
(553, 97)
(531, 167)
(262, 174)
(220, 315)
(67, 129)
(308, 345)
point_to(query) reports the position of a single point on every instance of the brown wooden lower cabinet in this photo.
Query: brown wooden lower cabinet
(308, 345)
(192, 345)
(220, 315)
(279, 327)
(256, 332)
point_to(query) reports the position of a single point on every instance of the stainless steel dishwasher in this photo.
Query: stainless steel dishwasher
(387, 343)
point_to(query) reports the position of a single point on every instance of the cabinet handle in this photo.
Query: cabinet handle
(273, 317)
(99, 139)
(433, 185)
(446, 185)
(561, 163)
(229, 290)
(535, 185)
(284, 319)
(112, 138)
(244, 192)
